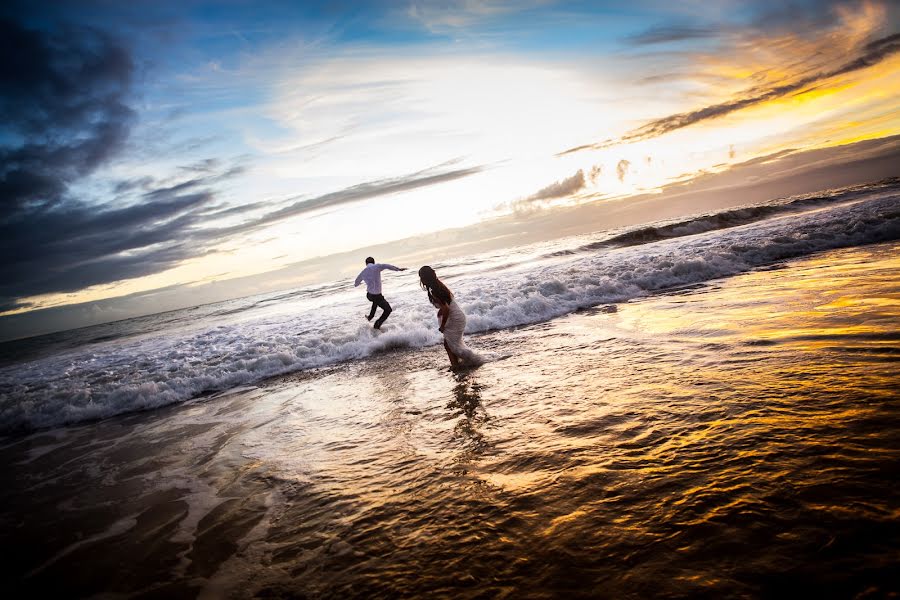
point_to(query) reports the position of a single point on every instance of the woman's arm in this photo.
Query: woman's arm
(443, 314)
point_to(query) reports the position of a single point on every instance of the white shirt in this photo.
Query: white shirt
(372, 276)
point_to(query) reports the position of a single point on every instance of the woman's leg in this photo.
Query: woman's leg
(454, 361)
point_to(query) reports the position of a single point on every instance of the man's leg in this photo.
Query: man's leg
(371, 299)
(387, 311)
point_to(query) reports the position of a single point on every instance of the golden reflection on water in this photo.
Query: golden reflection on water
(811, 306)
(691, 444)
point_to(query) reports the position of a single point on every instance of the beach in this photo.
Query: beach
(729, 438)
(457, 300)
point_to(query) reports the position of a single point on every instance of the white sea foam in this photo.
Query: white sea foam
(232, 346)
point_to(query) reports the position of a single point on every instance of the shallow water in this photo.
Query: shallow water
(737, 439)
(158, 360)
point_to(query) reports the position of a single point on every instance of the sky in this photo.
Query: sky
(160, 154)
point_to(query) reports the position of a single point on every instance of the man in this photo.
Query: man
(372, 276)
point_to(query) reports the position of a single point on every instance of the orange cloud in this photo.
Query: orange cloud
(780, 65)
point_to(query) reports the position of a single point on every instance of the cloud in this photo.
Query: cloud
(64, 105)
(452, 15)
(562, 188)
(355, 193)
(596, 171)
(808, 64)
(63, 108)
(558, 189)
(784, 173)
(670, 33)
(777, 14)
(622, 169)
(207, 165)
(781, 174)
(75, 245)
(875, 53)
(127, 185)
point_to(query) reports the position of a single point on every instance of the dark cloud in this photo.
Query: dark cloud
(874, 53)
(74, 245)
(70, 248)
(63, 103)
(596, 171)
(128, 185)
(63, 109)
(10, 304)
(63, 106)
(670, 33)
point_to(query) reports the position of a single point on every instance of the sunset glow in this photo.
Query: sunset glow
(269, 135)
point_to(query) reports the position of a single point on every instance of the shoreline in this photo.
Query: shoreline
(680, 446)
(223, 346)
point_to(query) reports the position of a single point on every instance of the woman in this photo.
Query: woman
(451, 318)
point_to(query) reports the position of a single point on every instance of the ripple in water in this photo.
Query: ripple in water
(735, 440)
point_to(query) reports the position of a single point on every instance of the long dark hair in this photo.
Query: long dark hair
(436, 289)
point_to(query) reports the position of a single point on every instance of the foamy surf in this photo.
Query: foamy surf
(243, 342)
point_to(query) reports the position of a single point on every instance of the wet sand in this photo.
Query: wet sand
(739, 439)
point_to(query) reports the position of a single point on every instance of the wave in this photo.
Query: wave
(731, 218)
(175, 365)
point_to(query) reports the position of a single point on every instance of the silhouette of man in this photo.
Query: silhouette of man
(372, 276)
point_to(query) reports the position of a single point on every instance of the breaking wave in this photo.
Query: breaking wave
(174, 363)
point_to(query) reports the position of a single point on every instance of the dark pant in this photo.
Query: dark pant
(378, 300)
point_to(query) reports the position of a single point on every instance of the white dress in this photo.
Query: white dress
(453, 335)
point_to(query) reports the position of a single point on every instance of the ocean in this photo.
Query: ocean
(703, 407)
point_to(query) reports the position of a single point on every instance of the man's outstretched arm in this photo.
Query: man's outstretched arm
(391, 267)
